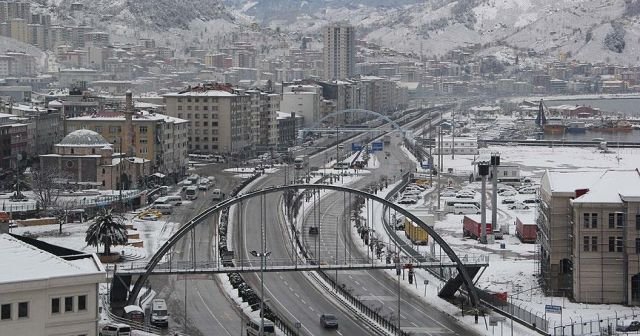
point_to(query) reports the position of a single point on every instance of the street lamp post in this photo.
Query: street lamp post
(263, 256)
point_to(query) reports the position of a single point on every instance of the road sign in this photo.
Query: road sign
(425, 165)
(355, 147)
(377, 146)
(551, 309)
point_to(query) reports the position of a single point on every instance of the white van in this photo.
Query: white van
(174, 199)
(159, 314)
(464, 209)
(115, 329)
(216, 195)
(253, 327)
(162, 200)
(165, 209)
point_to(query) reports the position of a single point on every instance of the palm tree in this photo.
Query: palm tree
(107, 229)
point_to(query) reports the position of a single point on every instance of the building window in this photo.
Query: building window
(619, 244)
(594, 244)
(205, 108)
(612, 220)
(189, 107)
(143, 129)
(586, 220)
(586, 243)
(197, 115)
(620, 220)
(594, 220)
(179, 107)
(5, 311)
(612, 244)
(55, 305)
(68, 304)
(637, 245)
(23, 310)
(82, 302)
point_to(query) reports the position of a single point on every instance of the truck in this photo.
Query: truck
(526, 230)
(415, 233)
(386, 139)
(301, 162)
(471, 227)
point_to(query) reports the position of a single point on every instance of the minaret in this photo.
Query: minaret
(127, 136)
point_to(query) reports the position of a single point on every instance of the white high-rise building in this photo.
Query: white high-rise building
(339, 51)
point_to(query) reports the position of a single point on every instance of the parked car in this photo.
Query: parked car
(528, 190)
(328, 321)
(508, 201)
(115, 329)
(149, 218)
(531, 201)
(407, 200)
(508, 193)
(464, 195)
(518, 206)
(628, 325)
(448, 193)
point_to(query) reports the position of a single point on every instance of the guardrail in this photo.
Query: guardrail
(601, 326)
(133, 324)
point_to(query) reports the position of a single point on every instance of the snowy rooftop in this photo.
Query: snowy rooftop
(569, 181)
(614, 186)
(23, 262)
(207, 93)
(138, 117)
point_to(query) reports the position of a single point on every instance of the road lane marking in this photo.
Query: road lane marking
(210, 312)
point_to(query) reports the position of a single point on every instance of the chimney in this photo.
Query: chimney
(128, 102)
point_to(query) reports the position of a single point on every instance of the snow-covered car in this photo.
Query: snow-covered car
(518, 206)
(528, 190)
(508, 193)
(407, 200)
(149, 218)
(464, 195)
(448, 193)
(531, 201)
(508, 201)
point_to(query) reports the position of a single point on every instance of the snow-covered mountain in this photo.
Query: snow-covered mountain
(591, 30)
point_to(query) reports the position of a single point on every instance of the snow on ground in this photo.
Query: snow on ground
(513, 268)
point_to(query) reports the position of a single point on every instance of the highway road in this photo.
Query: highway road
(294, 297)
(375, 287)
(208, 312)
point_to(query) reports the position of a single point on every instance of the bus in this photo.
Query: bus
(191, 193)
(342, 165)
(301, 162)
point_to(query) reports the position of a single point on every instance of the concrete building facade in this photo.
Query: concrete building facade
(339, 51)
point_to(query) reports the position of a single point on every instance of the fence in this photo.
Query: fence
(600, 326)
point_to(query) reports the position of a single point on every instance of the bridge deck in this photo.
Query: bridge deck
(198, 268)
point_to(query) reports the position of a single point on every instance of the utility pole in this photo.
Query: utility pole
(495, 162)
(453, 134)
(439, 130)
(483, 170)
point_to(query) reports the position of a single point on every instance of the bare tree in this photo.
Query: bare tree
(62, 208)
(44, 183)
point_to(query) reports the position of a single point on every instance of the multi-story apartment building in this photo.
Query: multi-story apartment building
(339, 51)
(47, 289)
(590, 235)
(222, 119)
(304, 100)
(264, 124)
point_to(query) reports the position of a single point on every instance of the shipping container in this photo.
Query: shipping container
(526, 230)
(415, 233)
(471, 227)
